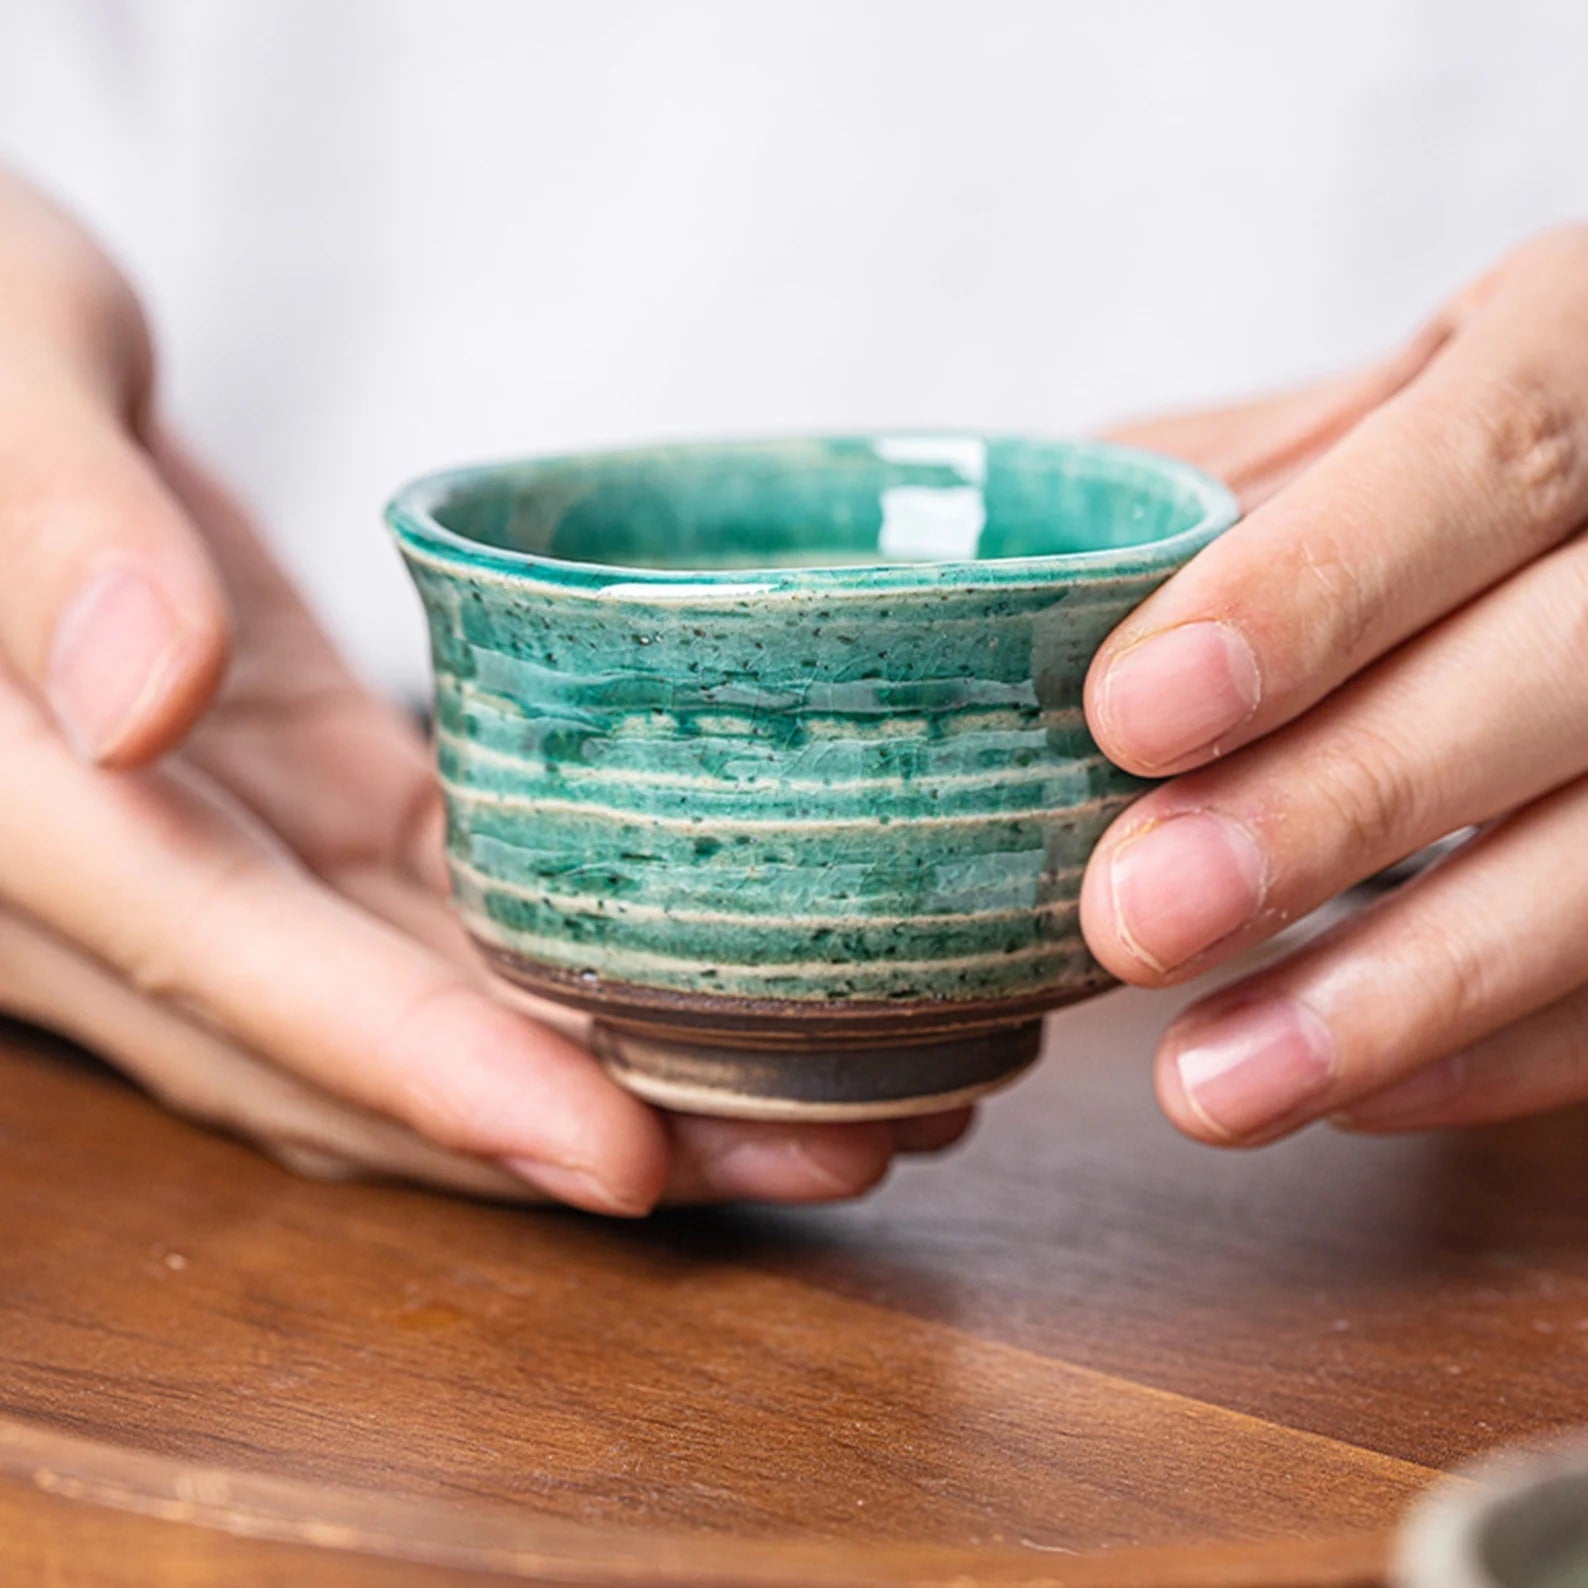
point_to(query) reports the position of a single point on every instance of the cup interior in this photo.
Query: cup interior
(873, 501)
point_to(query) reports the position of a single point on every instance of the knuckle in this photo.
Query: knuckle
(1536, 448)
(180, 1091)
(1322, 562)
(85, 308)
(118, 327)
(1379, 806)
(1340, 585)
(1336, 582)
(151, 970)
(109, 311)
(1455, 975)
(1312, 593)
(310, 1160)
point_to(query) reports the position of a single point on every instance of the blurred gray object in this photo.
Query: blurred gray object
(1517, 1521)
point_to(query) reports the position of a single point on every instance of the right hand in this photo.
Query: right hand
(220, 858)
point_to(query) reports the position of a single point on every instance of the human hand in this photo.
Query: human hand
(220, 858)
(1391, 647)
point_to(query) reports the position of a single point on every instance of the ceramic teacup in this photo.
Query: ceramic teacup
(1518, 1520)
(770, 755)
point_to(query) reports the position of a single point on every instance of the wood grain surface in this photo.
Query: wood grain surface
(1080, 1352)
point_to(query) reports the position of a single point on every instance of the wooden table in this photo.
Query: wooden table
(1082, 1351)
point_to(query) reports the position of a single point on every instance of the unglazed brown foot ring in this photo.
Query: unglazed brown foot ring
(821, 1083)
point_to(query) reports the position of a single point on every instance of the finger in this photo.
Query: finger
(713, 1159)
(340, 774)
(1204, 866)
(929, 1133)
(1482, 940)
(736, 1159)
(1257, 447)
(197, 1074)
(733, 1159)
(67, 315)
(108, 605)
(163, 879)
(202, 1077)
(1539, 1063)
(1474, 469)
(306, 1129)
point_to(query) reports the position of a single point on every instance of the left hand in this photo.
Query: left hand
(220, 855)
(1391, 647)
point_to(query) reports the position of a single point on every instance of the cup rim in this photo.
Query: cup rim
(411, 514)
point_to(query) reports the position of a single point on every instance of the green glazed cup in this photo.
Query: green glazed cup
(770, 755)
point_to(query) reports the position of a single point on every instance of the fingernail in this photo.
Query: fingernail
(114, 650)
(1255, 1066)
(578, 1187)
(1179, 692)
(1417, 1097)
(1182, 885)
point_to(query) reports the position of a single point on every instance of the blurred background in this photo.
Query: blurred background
(382, 235)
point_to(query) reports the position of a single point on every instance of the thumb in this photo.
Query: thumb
(109, 605)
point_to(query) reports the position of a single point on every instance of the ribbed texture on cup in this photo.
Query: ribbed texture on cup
(830, 795)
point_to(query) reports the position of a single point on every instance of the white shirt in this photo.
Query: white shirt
(376, 236)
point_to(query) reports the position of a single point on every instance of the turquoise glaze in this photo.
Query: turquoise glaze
(793, 720)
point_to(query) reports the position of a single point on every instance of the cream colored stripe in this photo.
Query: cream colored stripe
(820, 726)
(535, 805)
(556, 952)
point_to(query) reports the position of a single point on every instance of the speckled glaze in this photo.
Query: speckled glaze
(778, 747)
